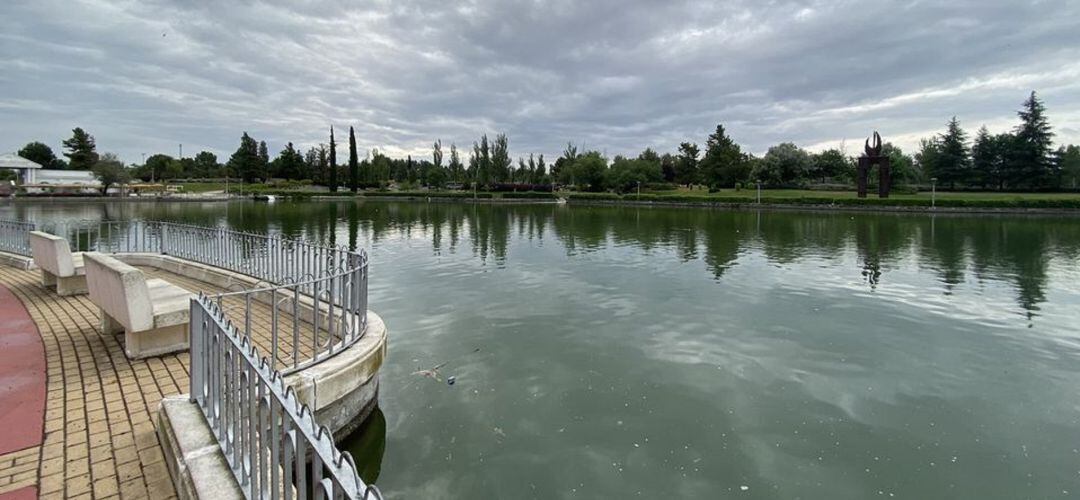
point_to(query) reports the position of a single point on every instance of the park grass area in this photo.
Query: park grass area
(206, 187)
(810, 193)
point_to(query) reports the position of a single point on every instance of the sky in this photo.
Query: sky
(618, 76)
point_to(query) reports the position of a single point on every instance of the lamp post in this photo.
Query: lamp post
(639, 190)
(759, 192)
(933, 192)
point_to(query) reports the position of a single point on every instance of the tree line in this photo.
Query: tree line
(1020, 159)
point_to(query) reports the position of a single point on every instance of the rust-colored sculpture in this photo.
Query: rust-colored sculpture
(872, 157)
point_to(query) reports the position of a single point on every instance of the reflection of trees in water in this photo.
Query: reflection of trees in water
(1012, 249)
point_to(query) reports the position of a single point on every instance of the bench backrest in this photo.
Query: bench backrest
(120, 290)
(52, 254)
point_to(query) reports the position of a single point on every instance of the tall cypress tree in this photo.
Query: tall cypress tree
(354, 163)
(333, 162)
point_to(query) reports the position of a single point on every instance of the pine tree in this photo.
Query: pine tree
(1030, 162)
(724, 163)
(354, 165)
(82, 152)
(245, 161)
(333, 162)
(953, 162)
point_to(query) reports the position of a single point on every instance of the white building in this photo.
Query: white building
(25, 169)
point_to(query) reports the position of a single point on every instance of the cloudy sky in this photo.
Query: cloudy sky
(616, 75)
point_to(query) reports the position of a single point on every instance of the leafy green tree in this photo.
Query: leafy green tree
(245, 161)
(500, 159)
(686, 164)
(110, 171)
(316, 160)
(541, 170)
(333, 162)
(480, 162)
(783, 165)
(81, 150)
(563, 170)
(952, 164)
(1030, 162)
(724, 163)
(667, 166)
(436, 153)
(626, 175)
(206, 165)
(1068, 158)
(457, 169)
(264, 160)
(828, 164)
(588, 171)
(354, 164)
(928, 156)
(902, 167)
(157, 166)
(289, 164)
(42, 154)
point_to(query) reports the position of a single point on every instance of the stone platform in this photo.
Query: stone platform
(99, 439)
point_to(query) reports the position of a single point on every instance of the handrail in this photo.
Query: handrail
(325, 286)
(264, 431)
(15, 237)
(271, 441)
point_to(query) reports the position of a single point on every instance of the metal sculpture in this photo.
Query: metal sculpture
(873, 156)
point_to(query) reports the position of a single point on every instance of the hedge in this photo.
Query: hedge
(530, 195)
(428, 194)
(811, 200)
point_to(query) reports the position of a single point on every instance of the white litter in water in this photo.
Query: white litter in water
(744, 487)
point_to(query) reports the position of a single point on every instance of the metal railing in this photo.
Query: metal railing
(15, 237)
(317, 294)
(317, 297)
(265, 433)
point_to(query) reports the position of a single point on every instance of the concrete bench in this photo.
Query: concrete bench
(154, 314)
(59, 267)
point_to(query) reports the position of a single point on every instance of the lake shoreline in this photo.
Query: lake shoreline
(786, 207)
(571, 200)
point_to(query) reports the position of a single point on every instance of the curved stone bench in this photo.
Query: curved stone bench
(153, 314)
(59, 267)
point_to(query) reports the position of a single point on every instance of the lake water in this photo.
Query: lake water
(696, 353)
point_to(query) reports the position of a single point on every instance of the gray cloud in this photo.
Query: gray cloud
(144, 76)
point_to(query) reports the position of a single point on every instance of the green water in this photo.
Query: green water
(687, 353)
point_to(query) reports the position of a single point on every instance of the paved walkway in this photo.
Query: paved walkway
(22, 397)
(99, 438)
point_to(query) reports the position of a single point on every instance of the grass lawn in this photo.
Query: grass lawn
(806, 193)
(203, 187)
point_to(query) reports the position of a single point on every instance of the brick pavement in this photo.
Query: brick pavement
(99, 435)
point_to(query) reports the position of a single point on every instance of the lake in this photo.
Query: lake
(695, 353)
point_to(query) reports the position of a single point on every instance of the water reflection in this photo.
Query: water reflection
(957, 249)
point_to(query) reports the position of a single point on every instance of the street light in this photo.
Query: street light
(639, 190)
(759, 192)
(933, 192)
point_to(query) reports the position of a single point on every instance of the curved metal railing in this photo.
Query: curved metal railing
(317, 297)
(271, 440)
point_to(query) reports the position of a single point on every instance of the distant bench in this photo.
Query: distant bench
(58, 265)
(154, 314)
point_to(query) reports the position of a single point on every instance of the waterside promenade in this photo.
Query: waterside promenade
(97, 436)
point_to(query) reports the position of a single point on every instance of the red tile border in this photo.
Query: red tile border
(22, 379)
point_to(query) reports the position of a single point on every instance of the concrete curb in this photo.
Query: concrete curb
(196, 463)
